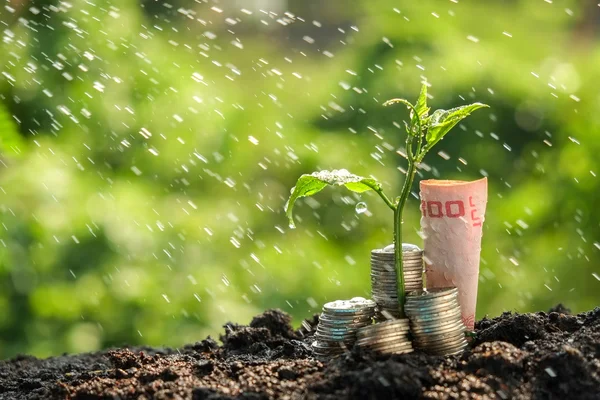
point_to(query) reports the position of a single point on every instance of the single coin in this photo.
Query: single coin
(393, 348)
(437, 330)
(376, 340)
(430, 300)
(432, 307)
(445, 350)
(434, 292)
(400, 323)
(438, 336)
(415, 312)
(352, 304)
(453, 312)
(448, 342)
(347, 319)
(403, 334)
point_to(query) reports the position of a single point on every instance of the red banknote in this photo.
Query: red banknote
(452, 215)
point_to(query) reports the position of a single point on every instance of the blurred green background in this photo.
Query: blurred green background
(148, 147)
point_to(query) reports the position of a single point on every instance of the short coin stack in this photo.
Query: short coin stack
(338, 324)
(435, 321)
(389, 337)
(384, 284)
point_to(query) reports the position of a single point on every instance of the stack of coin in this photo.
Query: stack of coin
(384, 284)
(389, 337)
(338, 324)
(435, 321)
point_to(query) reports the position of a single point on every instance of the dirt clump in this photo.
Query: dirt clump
(514, 356)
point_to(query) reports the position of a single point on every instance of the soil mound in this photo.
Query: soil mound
(514, 356)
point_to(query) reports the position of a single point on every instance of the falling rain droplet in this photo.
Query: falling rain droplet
(361, 207)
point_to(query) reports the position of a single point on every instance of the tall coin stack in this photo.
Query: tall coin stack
(435, 321)
(338, 324)
(384, 285)
(389, 337)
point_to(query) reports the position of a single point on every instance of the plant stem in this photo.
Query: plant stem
(386, 199)
(398, 212)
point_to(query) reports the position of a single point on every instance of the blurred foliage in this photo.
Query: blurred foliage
(148, 148)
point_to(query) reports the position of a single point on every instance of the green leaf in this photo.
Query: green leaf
(410, 130)
(421, 107)
(442, 121)
(308, 185)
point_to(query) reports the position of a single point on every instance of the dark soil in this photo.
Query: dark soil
(514, 356)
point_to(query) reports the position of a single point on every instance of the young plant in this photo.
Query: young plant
(423, 132)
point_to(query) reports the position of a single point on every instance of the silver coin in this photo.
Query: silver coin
(431, 308)
(443, 350)
(392, 256)
(390, 263)
(391, 284)
(347, 326)
(437, 329)
(330, 339)
(449, 344)
(385, 272)
(355, 303)
(438, 322)
(434, 292)
(374, 340)
(342, 318)
(335, 331)
(387, 260)
(383, 335)
(429, 314)
(389, 347)
(430, 300)
(346, 320)
(398, 324)
(405, 247)
(393, 348)
(436, 318)
(422, 313)
(425, 301)
(433, 339)
(350, 313)
(434, 344)
(392, 325)
(348, 316)
(381, 339)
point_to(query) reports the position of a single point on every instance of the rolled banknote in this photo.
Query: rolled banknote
(452, 215)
